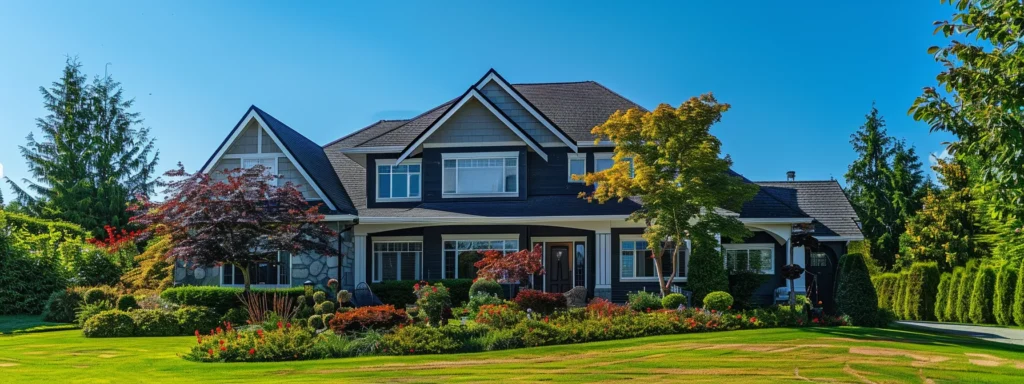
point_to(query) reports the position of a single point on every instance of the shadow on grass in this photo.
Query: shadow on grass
(903, 334)
(29, 323)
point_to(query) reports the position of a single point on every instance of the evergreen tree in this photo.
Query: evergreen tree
(93, 157)
(946, 229)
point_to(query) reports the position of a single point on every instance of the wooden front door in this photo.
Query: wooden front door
(558, 267)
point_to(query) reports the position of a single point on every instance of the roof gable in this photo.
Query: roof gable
(824, 201)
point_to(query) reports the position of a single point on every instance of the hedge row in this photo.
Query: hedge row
(980, 294)
(400, 292)
(911, 295)
(220, 299)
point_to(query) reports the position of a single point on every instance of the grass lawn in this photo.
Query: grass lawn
(847, 354)
(28, 323)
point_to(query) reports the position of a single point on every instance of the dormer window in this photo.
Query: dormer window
(398, 182)
(488, 174)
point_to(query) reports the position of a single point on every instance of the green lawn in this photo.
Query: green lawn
(846, 354)
(28, 323)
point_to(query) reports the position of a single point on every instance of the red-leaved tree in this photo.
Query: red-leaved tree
(240, 220)
(513, 267)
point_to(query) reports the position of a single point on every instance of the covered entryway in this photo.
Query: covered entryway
(821, 270)
(558, 267)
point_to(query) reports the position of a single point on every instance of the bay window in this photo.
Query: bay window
(460, 255)
(480, 174)
(396, 260)
(399, 182)
(759, 258)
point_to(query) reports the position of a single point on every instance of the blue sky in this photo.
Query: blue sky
(799, 75)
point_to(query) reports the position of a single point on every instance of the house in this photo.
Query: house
(491, 169)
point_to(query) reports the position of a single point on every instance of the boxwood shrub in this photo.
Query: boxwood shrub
(1002, 305)
(154, 322)
(718, 301)
(981, 296)
(191, 319)
(487, 286)
(673, 301)
(62, 305)
(220, 299)
(400, 293)
(922, 286)
(111, 323)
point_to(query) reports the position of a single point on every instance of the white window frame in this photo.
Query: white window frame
(479, 155)
(633, 238)
(611, 156)
(291, 267)
(273, 170)
(749, 247)
(398, 270)
(391, 163)
(576, 157)
(458, 238)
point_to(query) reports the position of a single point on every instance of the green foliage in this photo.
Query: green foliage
(856, 296)
(481, 299)
(93, 158)
(964, 293)
(232, 316)
(953, 299)
(981, 296)
(641, 301)
(742, 285)
(88, 310)
(885, 286)
(26, 279)
(109, 323)
(319, 296)
(316, 322)
(274, 344)
(673, 301)
(541, 302)
(922, 288)
(433, 301)
(1006, 284)
(97, 294)
(487, 286)
(899, 300)
(706, 271)
(62, 305)
(942, 296)
(883, 186)
(154, 322)
(945, 230)
(419, 340)
(220, 299)
(1018, 298)
(192, 319)
(127, 303)
(400, 293)
(718, 301)
(500, 316)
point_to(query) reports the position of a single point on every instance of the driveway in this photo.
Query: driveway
(997, 334)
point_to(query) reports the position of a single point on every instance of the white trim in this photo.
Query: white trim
(252, 155)
(473, 93)
(783, 220)
(418, 262)
(341, 218)
(359, 274)
(838, 238)
(486, 219)
(479, 155)
(259, 140)
(569, 159)
(388, 149)
(485, 236)
(263, 126)
(748, 247)
(591, 144)
(481, 144)
(492, 76)
(397, 239)
(572, 252)
(376, 181)
(603, 262)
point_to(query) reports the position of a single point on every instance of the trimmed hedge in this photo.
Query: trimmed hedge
(112, 323)
(220, 299)
(399, 293)
(955, 283)
(922, 287)
(856, 295)
(154, 322)
(718, 301)
(487, 286)
(966, 289)
(981, 296)
(1002, 305)
(942, 296)
(1018, 298)
(885, 288)
(899, 301)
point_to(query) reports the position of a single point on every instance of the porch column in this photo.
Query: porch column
(360, 262)
(603, 270)
(799, 258)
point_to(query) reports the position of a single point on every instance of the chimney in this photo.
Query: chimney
(791, 176)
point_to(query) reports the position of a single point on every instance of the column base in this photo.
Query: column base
(604, 293)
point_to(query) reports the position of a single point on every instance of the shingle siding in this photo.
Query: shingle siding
(517, 113)
(246, 142)
(472, 123)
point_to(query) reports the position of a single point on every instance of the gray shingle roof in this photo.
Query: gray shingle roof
(367, 133)
(824, 201)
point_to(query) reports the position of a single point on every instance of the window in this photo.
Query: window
(750, 257)
(275, 272)
(269, 164)
(398, 182)
(817, 259)
(396, 260)
(635, 261)
(603, 161)
(480, 174)
(577, 166)
(460, 255)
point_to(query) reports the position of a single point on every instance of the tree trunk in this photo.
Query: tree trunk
(245, 277)
(792, 295)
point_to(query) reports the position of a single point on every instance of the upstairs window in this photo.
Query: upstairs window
(603, 161)
(480, 174)
(269, 165)
(399, 182)
(577, 166)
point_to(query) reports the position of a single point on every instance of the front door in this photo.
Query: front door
(821, 268)
(558, 267)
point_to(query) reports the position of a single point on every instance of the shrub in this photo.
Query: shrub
(110, 323)
(232, 316)
(718, 301)
(540, 302)
(196, 319)
(61, 306)
(220, 299)
(97, 294)
(486, 286)
(419, 340)
(706, 271)
(536, 333)
(499, 316)
(94, 267)
(379, 317)
(400, 293)
(965, 291)
(1002, 305)
(86, 311)
(942, 296)
(1018, 298)
(434, 301)
(482, 299)
(953, 298)
(742, 285)
(885, 287)
(922, 287)
(856, 296)
(643, 301)
(316, 322)
(502, 339)
(981, 296)
(601, 308)
(127, 303)
(154, 322)
(673, 301)
(899, 298)
(274, 344)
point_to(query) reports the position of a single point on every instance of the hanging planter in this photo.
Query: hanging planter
(792, 271)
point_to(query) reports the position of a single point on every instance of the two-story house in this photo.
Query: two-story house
(417, 199)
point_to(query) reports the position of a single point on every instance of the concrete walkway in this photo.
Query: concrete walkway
(997, 334)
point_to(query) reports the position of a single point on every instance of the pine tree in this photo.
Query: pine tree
(93, 157)
(946, 229)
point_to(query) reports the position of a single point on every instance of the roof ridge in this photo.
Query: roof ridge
(409, 121)
(360, 130)
(620, 96)
(799, 181)
(558, 82)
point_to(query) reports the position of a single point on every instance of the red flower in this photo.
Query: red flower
(648, 310)
(279, 325)
(211, 351)
(416, 287)
(252, 351)
(289, 325)
(221, 341)
(259, 332)
(435, 289)
(739, 316)
(219, 330)
(222, 349)
(753, 319)
(412, 350)
(197, 333)
(712, 311)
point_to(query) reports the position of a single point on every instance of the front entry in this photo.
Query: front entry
(558, 267)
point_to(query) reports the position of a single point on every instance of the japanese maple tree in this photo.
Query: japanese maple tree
(510, 267)
(237, 217)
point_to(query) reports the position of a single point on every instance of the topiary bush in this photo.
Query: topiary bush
(541, 302)
(673, 301)
(202, 319)
(965, 291)
(922, 287)
(643, 301)
(953, 298)
(718, 301)
(706, 271)
(154, 322)
(86, 311)
(942, 296)
(981, 296)
(487, 286)
(62, 305)
(1002, 303)
(127, 303)
(111, 323)
(856, 295)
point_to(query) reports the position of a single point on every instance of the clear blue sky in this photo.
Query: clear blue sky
(799, 75)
